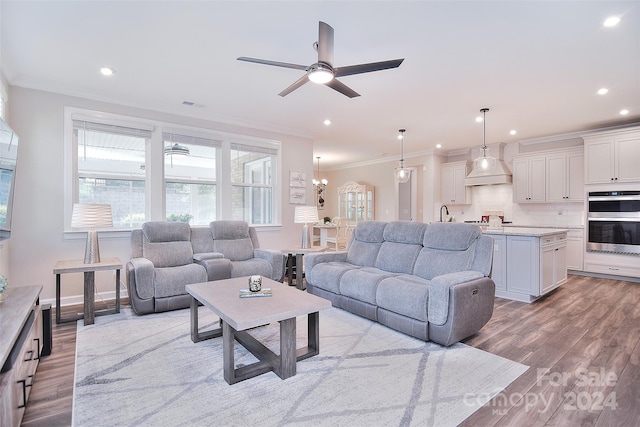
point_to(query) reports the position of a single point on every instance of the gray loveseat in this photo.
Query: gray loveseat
(167, 256)
(428, 281)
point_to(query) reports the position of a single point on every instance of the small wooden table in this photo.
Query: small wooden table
(324, 232)
(239, 314)
(298, 252)
(78, 266)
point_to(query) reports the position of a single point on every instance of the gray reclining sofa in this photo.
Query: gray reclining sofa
(167, 256)
(428, 281)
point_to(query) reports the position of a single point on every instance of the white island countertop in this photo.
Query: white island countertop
(524, 231)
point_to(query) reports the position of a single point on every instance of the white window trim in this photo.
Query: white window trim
(154, 189)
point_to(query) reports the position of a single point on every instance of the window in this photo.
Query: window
(252, 183)
(152, 171)
(111, 169)
(190, 178)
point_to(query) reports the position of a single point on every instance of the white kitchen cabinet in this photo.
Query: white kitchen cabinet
(453, 190)
(499, 266)
(528, 263)
(529, 179)
(612, 157)
(575, 250)
(523, 265)
(565, 176)
(553, 262)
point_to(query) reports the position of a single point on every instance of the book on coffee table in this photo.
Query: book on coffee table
(246, 293)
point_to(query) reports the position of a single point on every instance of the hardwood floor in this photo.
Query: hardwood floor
(582, 343)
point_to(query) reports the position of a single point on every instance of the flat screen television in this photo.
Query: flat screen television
(8, 159)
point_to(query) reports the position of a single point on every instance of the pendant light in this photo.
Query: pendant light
(402, 174)
(484, 163)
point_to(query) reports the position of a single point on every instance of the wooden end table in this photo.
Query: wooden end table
(78, 266)
(239, 314)
(299, 252)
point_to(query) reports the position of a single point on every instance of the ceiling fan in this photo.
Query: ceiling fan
(323, 71)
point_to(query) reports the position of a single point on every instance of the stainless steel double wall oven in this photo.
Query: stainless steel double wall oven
(614, 222)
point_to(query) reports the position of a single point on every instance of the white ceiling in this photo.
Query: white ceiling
(536, 64)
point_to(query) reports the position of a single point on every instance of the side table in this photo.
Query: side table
(78, 266)
(299, 252)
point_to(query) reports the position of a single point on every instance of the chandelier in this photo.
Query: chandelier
(319, 186)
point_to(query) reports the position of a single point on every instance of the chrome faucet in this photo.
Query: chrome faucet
(446, 210)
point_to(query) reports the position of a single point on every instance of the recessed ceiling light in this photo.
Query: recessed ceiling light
(107, 71)
(512, 132)
(603, 91)
(438, 145)
(327, 122)
(479, 119)
(624, 112)
(611, 21)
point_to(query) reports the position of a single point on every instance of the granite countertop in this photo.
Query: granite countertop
(523, 231)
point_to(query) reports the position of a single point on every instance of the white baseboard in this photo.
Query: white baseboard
(79, 299)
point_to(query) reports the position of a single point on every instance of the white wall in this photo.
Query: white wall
(483, 198)
(37, 241)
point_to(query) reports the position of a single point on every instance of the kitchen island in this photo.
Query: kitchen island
(528, 262)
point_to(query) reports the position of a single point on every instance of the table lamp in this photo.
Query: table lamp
(305, 215)
(91, 216)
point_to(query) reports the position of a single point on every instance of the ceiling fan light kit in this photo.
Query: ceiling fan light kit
(323, 71)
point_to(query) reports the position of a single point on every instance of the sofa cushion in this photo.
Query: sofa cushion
(401, 246)
(169, 282)
(365, 244)
(327, 275)
(409, 232)
(201, 240)
(163, 231)
(232, 239)
(362, 283)
(250, 267)
(434, 262)
(448, 248)
(450, 236)
(407, 295)
(167, 244)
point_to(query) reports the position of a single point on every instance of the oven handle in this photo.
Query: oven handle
(614, 219)
(612, 198)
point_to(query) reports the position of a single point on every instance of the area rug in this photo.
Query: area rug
(145, 371)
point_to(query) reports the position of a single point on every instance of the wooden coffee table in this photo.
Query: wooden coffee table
(239, 314)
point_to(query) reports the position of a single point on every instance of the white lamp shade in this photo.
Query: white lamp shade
(91, 216)
(305, 214)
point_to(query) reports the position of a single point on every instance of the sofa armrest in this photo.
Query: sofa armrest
(216, 268)
(311, 260)
(203, 256)
(438, 305)
(143, 274)
(276, 259)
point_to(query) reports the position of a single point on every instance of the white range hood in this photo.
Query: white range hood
(499, 174)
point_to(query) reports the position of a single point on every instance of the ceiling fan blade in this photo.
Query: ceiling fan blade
(342, 88)
(325, 43)
(367, 68)
(302, 80)
(274, 63)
